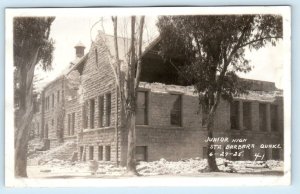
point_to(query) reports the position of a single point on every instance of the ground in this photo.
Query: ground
(190, 167)
(50, 164)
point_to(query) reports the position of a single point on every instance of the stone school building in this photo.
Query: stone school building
(83, 106)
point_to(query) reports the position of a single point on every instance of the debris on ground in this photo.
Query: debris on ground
(186, 167)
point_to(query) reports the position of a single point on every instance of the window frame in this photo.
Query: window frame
(92, 113)
(101, 111)
(146, 108)
(180, 95)
(108, 107)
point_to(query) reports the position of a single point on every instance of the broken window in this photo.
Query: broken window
(141, 153)
(100, 111)
(274, 118)
(92, 113)
(100, 153)
(176, 110)
(234, 115)
(108, 108)
(107, 153)
(141, 116)
(91, 153)
(262, 117)
(247, 115)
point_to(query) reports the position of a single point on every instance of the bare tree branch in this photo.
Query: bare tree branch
(139, 63)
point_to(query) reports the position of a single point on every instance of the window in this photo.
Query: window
(91, 153)
(46, 131)
(69, 124)
(234, 115)
(53, 100)
(47, 103)
(247, 115)
(100, 153)
(84, 115)
(235, 155)
(275, 154)
(141, 153)
(141, 116)
(107, 153)
(274, 118)
(73, 123)
(96, 56)
(100, 111)
(204, 116)
(262, 117)
(204, 152)
(266, 153)
(58, 95)
(81, 154)
(176, 110)
(108, 108)
(92, 113)
(248, 154)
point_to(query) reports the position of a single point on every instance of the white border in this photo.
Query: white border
(11, 181)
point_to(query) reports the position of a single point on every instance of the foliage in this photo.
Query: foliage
(213, 47)
(31, 33)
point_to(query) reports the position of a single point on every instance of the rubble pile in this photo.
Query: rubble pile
(189, 167)
(196, 166)
(54, 156)
(164, 167)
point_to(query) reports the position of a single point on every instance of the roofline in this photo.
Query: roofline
(52, 81)
(151, 45)
(77, 64)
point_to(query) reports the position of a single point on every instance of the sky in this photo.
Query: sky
(267, 62)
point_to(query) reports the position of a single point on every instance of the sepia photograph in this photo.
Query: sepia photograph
(165, 94)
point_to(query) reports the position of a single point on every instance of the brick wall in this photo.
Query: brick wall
(51, 114)
(98, 80)
(187, 141)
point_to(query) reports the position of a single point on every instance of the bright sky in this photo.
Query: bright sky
(68, 31)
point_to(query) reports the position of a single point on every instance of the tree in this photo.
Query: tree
(210, 50)
(31, 46)
(128, 85)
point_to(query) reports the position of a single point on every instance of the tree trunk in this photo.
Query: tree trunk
(24, 114)
(21, 144)
(131, 165)
(211, 158)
